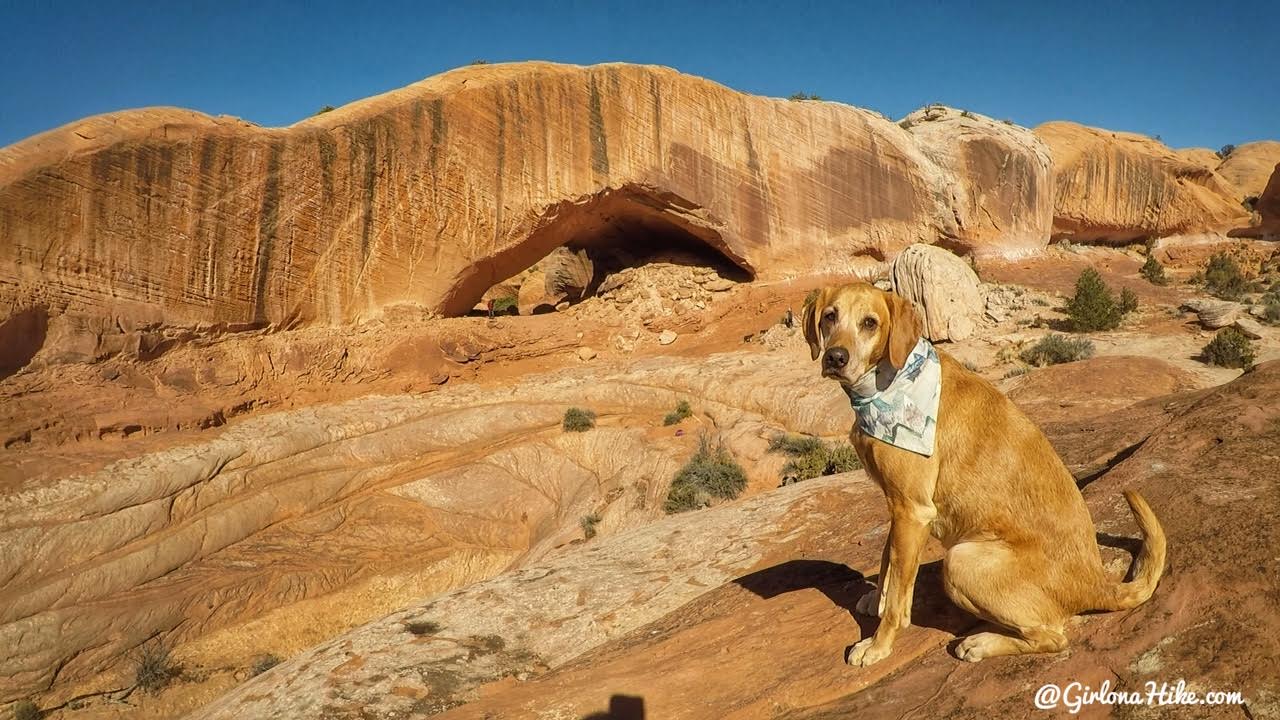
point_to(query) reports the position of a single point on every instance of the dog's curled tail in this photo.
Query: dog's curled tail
(1147, 567)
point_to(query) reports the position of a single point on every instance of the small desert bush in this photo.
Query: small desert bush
(710, 474)
(588, 523)
(1093, 307)
(681, 412)
(1229, 348)
(1153, 271)
(1128, 301)
(810, 457)
(1271, 309)
(505, 305)
(1226, 151)
(1015, 372)
(578, 420)
(422, 627)
(325, 109)
(1223, 279)
(263, 664)
(1054, 349)
(155, 667)
(26, 710)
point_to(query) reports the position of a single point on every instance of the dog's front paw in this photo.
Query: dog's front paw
(867, 652)
(976, 647)
(869, 604)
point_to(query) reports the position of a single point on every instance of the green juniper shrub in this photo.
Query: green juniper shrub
(1054, 349)
(1271, 309)
(155, 667)
(578, 420)
(682, 412)
(710, 474)
(263, 664)
(1128, 301)
(1093, 307)
(26, 710)
(588, 523)
(1229, 348)
(1153, 271)
(810, 457)
(1223, 279)
(1226, 151)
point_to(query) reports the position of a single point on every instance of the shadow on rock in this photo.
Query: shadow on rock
(930, 606)
(621, 707)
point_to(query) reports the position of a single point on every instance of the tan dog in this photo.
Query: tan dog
(1021, 548)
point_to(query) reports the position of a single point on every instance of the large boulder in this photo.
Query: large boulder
(568, 272)
(1114, 187)
(1003, 175)
(944, 289)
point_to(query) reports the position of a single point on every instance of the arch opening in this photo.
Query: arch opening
(578, 246)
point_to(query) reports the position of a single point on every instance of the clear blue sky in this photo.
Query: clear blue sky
(1196, 73)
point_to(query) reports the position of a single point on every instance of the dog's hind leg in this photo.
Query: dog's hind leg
(989, 580)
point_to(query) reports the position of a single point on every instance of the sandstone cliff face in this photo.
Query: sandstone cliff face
(1002, 194)
(1119, 187)
(432, 193)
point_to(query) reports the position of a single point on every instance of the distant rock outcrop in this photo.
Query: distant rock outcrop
(1116, 188)
(1268, 209)
(1003, 196)
(1250, 166)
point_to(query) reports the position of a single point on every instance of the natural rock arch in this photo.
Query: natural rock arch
(639, 219)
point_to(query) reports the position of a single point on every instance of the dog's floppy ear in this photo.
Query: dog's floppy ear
(904, 329)
(809, 321)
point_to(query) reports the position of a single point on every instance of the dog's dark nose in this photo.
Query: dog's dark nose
(835, 358)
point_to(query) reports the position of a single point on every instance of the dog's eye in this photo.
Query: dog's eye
(829, 315)
(870, 323)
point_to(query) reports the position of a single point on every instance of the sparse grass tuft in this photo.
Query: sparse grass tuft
(810, 457)
(1015, 372)
(588, 523)
(578, 420)
(263, 664)
(26, 710)
(1229, 348)
(1054, 349)
(682, 412)
(1223, 279)
(422, 627)
(711, 473)
(156, 668)
(1153, 271)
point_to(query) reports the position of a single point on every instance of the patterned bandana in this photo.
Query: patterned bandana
(901, 407)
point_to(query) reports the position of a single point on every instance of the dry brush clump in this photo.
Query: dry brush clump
(809, 457)
(1054, 349)
(578, 420)
(712, 473)
(155, 667)
(682, 412)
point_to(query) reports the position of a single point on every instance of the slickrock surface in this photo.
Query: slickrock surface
(1115, 187)
(409, 494)
(765, 637)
